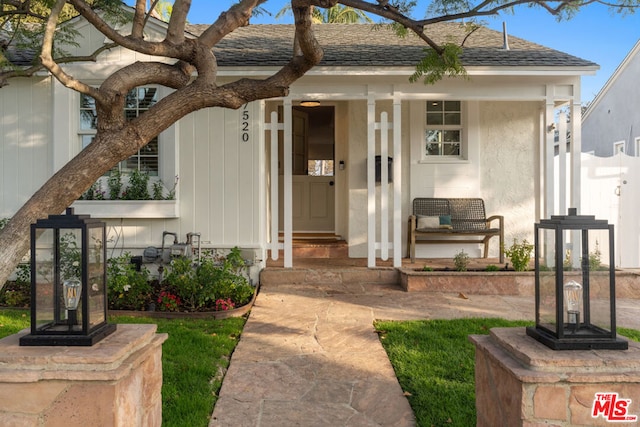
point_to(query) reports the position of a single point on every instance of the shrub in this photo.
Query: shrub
(138, 188)
(127, 288)
(461, 261)
(206, 285)
(492, 267)
(114, 184)
(18, 293)
(519, 254)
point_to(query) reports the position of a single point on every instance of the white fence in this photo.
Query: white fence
(611, 191)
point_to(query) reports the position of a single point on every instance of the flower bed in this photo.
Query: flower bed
(214, 284)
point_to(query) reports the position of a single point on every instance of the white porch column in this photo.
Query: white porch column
(549, 134)
(287, 187)
(562, 163)
(397, 183)
(576, 154)
(383, 126)
(371, 185)
(273, 127)
(390, 239)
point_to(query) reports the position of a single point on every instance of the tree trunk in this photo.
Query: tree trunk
(59, 192)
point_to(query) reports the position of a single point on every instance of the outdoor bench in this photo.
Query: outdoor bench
(442, 220)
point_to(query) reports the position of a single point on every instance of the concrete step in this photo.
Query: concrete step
(318, 248)
(319, 276)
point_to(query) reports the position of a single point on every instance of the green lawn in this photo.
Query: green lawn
(194, 359)
(434, 363)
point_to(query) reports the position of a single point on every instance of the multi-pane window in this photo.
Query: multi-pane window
(138, 101)
(443, 135)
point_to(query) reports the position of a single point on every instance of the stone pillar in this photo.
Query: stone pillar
(521, 382)
(116, 382)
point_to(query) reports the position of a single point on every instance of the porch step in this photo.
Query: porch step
(318, 246)
(323, 275)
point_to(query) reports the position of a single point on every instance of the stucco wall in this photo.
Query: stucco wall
(501, 167)
(509, 135)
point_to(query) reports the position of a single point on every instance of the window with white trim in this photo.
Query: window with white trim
(637, 147)
(618, 147)
(443, 130)
(138, 100)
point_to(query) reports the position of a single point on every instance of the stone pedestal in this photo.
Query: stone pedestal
(116, 382)
(521, 382)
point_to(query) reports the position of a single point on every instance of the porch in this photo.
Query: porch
(325, 262)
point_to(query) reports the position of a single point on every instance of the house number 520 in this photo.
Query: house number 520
(244, 124)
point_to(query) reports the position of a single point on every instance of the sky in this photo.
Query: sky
(594, 34)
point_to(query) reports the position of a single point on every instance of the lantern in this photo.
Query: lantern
(575, 284)
(68, 282)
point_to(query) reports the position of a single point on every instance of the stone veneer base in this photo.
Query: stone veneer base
(496, 283)
(116, 382)
(521, 382)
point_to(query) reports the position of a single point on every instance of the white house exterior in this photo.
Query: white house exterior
(611, 123)
(611, 159)
(237, 189)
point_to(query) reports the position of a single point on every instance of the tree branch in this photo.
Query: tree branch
(237, 16)
(139, 19)
(31, 70)
(175, 33)
(137, 74)
(135, 43)
(50, 64)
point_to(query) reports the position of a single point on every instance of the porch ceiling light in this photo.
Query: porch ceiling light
(309, 103)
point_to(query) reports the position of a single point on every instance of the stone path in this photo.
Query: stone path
(309, 356)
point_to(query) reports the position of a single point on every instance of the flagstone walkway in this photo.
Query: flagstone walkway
(309, 356)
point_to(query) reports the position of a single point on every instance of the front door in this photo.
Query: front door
(313, 180)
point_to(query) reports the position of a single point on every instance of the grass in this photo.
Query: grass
(194, 359)
(434, 362)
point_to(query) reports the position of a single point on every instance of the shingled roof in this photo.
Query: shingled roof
(365, 45)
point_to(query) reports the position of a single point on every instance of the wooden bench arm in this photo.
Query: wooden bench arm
(411, 238)
(500, 219)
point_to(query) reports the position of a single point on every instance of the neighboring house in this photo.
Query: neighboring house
(481, 136)
(611, 177)
(611, 123)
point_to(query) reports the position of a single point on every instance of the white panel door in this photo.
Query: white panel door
(313, 197)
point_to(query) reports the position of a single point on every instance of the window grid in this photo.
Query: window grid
(138, 100)
(443, 135)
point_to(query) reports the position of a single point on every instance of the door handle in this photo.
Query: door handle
(331, 183)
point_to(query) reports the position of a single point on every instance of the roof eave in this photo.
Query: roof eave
(407, 71)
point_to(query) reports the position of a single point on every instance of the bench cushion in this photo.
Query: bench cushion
(433, 222)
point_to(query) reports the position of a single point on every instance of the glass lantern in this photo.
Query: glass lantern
(68, 282)
(575, 284)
